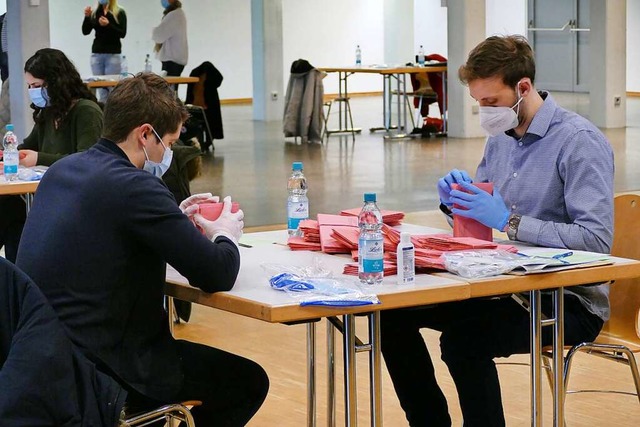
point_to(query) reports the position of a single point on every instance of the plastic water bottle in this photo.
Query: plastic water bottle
(421, 56)
(406, 260)
(370, 243)
(358, 56)
(147, 64)
(11, 156)
(124, 67)
(297, 202)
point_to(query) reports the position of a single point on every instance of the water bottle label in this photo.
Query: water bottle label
(11, 162)
(296, 212)
(370, 254)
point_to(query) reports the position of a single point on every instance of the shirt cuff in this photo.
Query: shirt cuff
(224, 234)
(529, 229)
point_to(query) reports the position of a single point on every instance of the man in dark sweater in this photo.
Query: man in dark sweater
(102, 228)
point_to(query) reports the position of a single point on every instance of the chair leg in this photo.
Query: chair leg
(633, 365)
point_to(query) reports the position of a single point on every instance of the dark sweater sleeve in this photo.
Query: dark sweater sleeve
(87, 25)
(120, 26)
(86, 121)
(155, 219)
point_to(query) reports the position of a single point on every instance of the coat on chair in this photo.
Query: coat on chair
(205, 94)
(44, 379)
(303, 102)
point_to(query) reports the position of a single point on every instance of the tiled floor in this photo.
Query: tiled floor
(253, 161)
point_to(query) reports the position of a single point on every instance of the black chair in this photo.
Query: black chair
(203, 103)
(44, 379)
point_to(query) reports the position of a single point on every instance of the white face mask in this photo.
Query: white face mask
(158, 169)
(496, 120)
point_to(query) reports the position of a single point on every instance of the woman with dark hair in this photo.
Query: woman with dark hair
(67, 120)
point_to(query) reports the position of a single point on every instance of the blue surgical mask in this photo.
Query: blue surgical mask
(164, 3)
(39, 96)
(158, 169)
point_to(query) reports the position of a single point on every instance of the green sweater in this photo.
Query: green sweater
(78, 132)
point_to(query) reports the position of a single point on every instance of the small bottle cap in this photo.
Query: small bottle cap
(296, 166)
(9, 127)
(405, 238)
(369, 197)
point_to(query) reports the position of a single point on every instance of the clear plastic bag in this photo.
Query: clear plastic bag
(482, 262)
(314, 285)
(31, 174)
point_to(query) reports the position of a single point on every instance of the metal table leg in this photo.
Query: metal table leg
(558, 358)
(375, 391)
(535, 316)
(311, 374)
(350, 389)
(331, 375)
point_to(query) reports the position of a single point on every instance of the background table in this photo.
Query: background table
(389, 73)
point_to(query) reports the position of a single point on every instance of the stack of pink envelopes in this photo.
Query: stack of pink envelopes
(388, 217)
(338, 234)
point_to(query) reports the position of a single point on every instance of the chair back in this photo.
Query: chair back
(624, 295)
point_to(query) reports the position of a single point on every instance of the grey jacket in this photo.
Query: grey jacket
(303, 105)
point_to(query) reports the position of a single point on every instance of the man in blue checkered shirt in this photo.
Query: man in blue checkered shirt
(552, 172)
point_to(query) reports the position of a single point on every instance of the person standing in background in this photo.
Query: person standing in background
(109, 21)
(171, 38)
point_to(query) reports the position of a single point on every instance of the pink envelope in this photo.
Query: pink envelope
(468, 227)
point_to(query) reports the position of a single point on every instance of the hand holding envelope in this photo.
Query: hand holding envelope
(189, 206)
(228, 224)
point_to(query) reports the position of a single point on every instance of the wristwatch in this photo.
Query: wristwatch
(512, 226)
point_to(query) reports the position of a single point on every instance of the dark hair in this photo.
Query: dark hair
(145, 98)
(172, 7)
(508, 57)
(62, 80)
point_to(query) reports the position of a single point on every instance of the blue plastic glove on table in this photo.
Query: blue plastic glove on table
(485, 208)
(444, 184)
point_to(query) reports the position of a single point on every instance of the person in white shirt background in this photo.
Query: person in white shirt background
(170, 37)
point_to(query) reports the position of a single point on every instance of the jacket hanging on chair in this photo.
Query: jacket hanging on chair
(208, 98)
(303, 102)
(44, 378)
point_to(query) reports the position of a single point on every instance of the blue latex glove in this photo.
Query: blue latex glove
(485, 208)
(444, 184)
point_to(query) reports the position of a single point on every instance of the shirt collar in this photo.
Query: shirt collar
(541, 121)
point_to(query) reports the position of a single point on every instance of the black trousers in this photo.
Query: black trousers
(474, 332)
(230, 387)
(13, 214)
(172, 68)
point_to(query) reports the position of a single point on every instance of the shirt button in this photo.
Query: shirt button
(515, 174)
(513, 207)
(520, 143)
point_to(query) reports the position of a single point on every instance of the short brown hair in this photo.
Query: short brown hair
(145, 98)
(509, 57)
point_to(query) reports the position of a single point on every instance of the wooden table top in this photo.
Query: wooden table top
(252, 296)
(110, 81)
(17, 187)
(386, 70)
